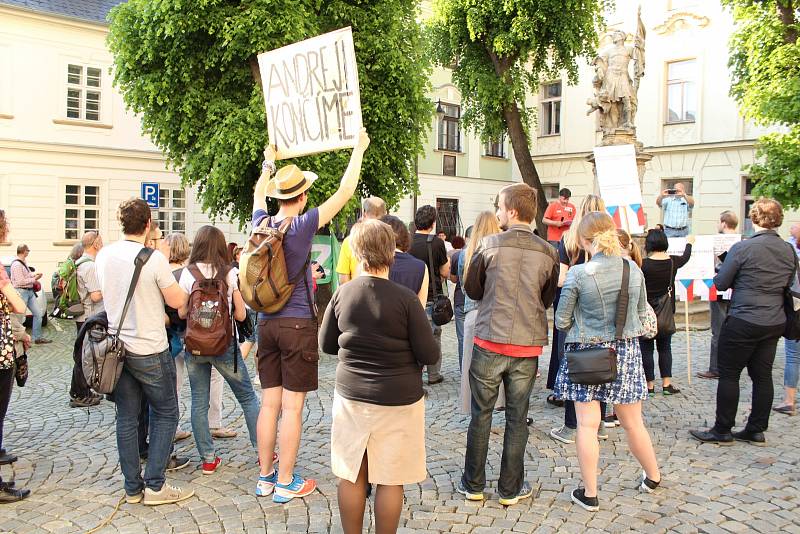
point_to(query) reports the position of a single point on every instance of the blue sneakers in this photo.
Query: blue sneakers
(266, 483)
(298, 487)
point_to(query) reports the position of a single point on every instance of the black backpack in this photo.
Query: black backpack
(442, 309)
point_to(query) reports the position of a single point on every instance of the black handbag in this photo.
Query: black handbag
(598, 365)
(792, 295)
(442, 309)
(245, 327)
(665, 312)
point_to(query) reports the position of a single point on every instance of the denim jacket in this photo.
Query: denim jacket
(588, 304)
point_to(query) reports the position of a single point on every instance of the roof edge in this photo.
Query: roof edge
(50, 14)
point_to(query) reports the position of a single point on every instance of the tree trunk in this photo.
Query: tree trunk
(786, 10)
(522, 154)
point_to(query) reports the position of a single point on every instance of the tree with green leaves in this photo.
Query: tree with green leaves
(190, 69)
(765, 70)
(500, 51)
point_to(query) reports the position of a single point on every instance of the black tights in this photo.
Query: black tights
(6, 382)
(353, 499)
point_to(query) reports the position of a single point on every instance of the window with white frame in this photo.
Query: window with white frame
(747, 202)
(450, 128)
(171, 213)
(496, 148)
(81, 209)
(83, 92)
(550, 119)
(681, 91)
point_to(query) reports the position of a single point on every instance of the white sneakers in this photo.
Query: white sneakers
(167, 495)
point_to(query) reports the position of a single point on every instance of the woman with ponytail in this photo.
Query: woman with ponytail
(587, 313)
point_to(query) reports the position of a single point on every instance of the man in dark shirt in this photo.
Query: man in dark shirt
(438, 270)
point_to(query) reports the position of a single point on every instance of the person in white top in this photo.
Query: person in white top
(149, 370)
(210, 256)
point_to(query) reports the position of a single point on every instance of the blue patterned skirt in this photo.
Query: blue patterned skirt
(629, 387)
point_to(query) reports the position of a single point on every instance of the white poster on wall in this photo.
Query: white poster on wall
(311, 95)
(618, 180)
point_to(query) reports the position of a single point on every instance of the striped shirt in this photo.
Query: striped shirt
(676, 211)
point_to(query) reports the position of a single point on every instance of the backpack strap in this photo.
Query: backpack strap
(429, 242)
(196, 273)
(82, 260)
(141, 258)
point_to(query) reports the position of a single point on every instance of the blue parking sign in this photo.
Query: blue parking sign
(150, 194)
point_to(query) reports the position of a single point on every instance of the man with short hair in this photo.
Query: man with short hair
(441, 234)
(80, 394)
(558, 216)
(510, 331)
(347, 267)
(728, 222)
(425, 224)
(288, 355)
(676, 204)
(148, 372)
(23, 279)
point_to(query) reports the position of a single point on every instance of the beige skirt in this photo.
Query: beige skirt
(392, 436)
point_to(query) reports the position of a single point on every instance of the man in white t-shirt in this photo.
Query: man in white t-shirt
(149, 371)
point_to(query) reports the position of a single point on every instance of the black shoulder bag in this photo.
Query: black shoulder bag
(598, 365)
(442, 309)
(665, 312)
(791, 295)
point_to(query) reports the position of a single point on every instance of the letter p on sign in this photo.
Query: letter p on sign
(150, 194)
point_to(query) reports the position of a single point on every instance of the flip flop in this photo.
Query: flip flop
(223, 433)
(786, 410)
(551, 399)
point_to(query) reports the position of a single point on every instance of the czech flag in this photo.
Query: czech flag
(712, 289)
(614, 212)
(689, 285)
(639, 211)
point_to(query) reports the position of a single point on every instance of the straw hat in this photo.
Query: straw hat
(289, 182)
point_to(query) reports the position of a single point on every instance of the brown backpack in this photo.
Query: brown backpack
(263, 278)
(209, 328)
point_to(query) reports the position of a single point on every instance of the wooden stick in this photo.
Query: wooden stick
(688, 343)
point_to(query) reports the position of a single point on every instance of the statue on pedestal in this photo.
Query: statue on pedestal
(615, 93)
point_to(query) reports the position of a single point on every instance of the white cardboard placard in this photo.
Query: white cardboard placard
(618, 180)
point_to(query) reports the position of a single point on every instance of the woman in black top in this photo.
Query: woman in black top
(382, 336)
(659, 270)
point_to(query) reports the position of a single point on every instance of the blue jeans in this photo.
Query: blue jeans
(199, 370)
(790, 372)
(29, 297)
(150, 378)
(486, 372)
(435, 370)
(672, 232)
(460, 315)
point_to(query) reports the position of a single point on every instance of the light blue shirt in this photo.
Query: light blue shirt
(676, 211)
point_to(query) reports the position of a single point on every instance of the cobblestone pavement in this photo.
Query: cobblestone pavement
(68, 458)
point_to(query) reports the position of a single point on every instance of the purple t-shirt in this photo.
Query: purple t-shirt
(296, 249)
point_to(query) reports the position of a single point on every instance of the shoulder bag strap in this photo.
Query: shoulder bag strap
(141, 258)
(622, 301)
(432, 280)
(672, 275)
(796, 267)
(311, 305)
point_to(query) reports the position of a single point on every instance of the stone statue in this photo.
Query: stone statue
(614, 90)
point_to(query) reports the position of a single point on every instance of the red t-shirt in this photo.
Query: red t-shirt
(514, 351)
(558, 212)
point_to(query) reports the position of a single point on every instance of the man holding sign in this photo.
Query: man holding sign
(287, 339)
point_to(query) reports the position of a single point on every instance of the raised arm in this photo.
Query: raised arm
(332, 206)
(260, 192)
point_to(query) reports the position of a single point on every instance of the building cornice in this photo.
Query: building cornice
(83, 150)
(721, 145)
(55, 18)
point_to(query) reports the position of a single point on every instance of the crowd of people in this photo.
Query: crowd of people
(384, 324)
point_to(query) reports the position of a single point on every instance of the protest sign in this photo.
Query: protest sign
(618, 180)
(325, 251)
(696, 278)
(311, 95)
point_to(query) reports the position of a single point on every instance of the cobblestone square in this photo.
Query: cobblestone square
(68, 457)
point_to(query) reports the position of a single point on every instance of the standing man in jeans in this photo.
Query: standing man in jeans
(728, 222)
(288, 355)
(676, 205)
(148, 373)
(92, 301)
(514, 275)
(425, 223)
(23, 279)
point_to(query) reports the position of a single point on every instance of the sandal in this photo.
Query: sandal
(784, 409)
(223, 432)
(555, 401)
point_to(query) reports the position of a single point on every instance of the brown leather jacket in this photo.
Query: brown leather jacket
(514, 275)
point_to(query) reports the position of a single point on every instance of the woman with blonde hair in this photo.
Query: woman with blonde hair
(587, 313)
(485, 224)
(570, 254)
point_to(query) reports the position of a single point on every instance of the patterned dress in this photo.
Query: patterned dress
(629, 387)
